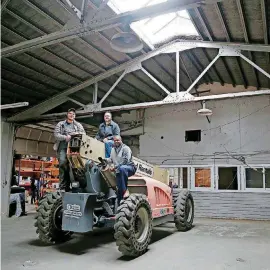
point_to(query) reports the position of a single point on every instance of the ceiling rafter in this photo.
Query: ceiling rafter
(26, 82)
(207, 31)
(228, 38)
(35, 28)
(79, 66)
(201, 67)
(45, 63)
(246, 37)
(82, 40)
(31, 91)
(34, 71)
(52, 102)
(214, 67)
(98, 25)
(191, 81)
(198, 13)
(204, 78)
(48, 91)
(124, 97)
(16, 95)
(266, 31)
(64, 100)
(4, 5)
(103, 37)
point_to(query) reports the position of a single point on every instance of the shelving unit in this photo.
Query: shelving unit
(46, 171)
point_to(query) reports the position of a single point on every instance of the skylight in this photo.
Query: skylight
(157, 29)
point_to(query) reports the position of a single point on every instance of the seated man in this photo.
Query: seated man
(106, 131)
(124, 167)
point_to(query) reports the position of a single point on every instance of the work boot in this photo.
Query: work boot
(126, 194)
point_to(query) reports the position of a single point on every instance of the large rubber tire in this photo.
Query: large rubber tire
(48, 227)
(183, 209)
(133, 214)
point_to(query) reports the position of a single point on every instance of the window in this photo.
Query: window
(258, 178)
(227, 178)
(174, 176)
(267, 177)
(179, 176)
(185, 177)
(254, 179)
(203, 177)
(157, 29)
(193, 136)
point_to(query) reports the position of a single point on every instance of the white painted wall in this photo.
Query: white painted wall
(240, 125)
(7, 135)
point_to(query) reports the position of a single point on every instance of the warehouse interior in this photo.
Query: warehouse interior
(187, 81)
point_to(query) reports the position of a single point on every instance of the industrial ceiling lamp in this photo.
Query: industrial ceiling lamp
(126, 42)
(13, 105)
(204, 111)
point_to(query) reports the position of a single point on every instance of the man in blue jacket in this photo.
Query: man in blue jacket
(107, 130)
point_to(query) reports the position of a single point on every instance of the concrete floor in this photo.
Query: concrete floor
(211, 245)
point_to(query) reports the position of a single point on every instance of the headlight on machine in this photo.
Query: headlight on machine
(75, 184)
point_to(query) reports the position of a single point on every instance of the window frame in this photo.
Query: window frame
(181, 174)
(193, 130)
(238, 178)
(212, 175)
(263, 167)
(266, 167)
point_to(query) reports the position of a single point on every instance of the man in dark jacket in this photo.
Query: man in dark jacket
(107, 130)
(62, 133)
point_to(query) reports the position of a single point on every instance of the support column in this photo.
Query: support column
(177, 72)
(7, 139)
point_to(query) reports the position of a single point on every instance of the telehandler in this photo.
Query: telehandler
(92, 202)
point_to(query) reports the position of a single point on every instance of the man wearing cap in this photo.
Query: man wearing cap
(107, 130)
(62, 133)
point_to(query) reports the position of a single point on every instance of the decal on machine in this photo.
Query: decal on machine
(163, 211)
(73, 211)
(143, 168)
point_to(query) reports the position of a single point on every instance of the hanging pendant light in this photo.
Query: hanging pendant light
(126, 42)
(204, 111)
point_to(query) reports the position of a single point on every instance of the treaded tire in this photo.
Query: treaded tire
(48, 232)
(125, 225)
(183, 200)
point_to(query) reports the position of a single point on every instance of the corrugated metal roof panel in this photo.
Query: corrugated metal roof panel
(253, 18)
(210, 15)
(232, 20)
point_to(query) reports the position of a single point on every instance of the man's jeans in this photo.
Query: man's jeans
(122, 174)
(108, 148)
(64, 177)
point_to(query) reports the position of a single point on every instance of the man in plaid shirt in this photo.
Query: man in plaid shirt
(62, 133)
